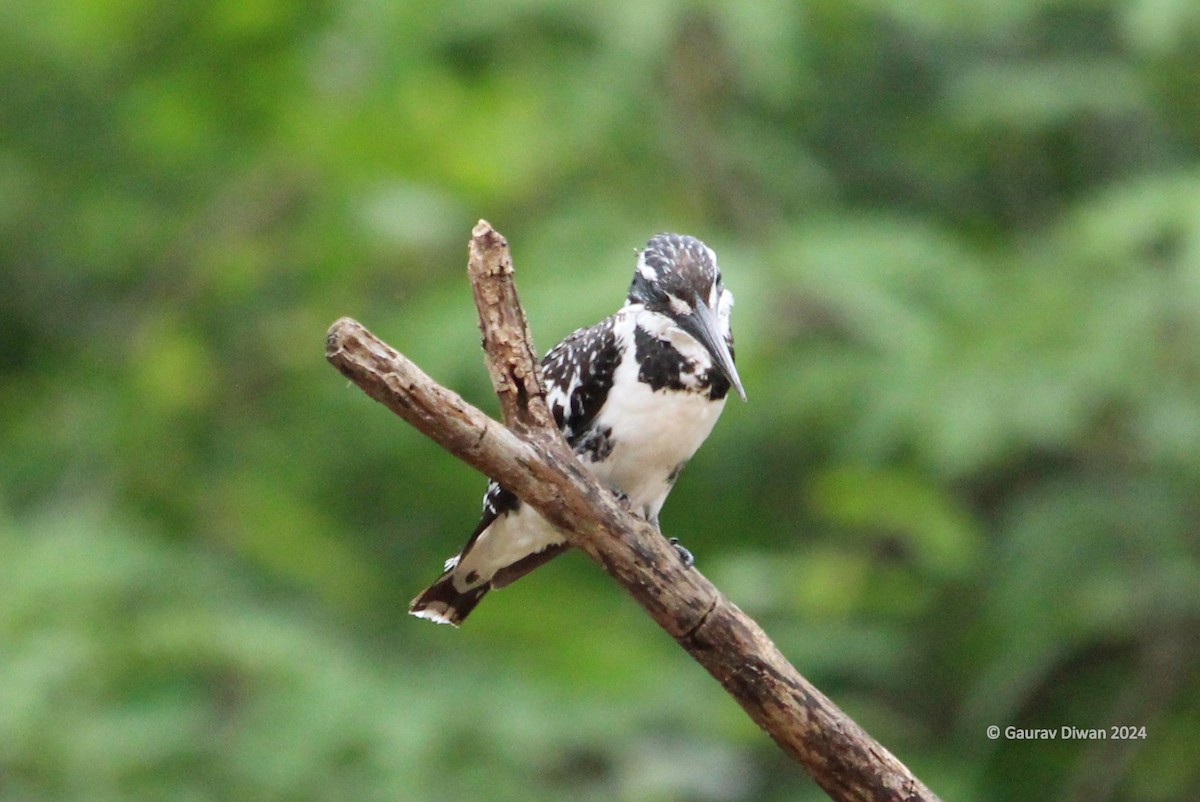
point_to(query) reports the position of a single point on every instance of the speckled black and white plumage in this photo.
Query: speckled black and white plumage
(635, 395)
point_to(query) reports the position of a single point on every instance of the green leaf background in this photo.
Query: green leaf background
(965, 244)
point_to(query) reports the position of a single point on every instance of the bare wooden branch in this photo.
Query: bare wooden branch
(538, 466)
(507, 341)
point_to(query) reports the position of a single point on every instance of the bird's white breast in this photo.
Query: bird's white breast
(653, 431)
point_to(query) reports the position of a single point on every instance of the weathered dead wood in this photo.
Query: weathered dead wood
(533, 461)
(507, 341)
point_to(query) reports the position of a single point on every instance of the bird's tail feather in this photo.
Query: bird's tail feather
(443, 604)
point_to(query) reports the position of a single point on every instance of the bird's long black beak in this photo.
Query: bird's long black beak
(702, 324)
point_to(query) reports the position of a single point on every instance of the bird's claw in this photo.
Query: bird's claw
(624, 500)
(684, 554)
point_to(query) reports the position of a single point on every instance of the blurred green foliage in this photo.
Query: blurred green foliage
(965, 242)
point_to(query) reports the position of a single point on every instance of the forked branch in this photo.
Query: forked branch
(531, 459)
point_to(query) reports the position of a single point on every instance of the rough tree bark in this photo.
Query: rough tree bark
(530, 457)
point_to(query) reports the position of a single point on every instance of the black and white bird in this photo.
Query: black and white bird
(635, 395)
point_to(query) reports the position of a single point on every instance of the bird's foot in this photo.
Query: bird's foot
(641, 512)
(624, 500)
(684, 555)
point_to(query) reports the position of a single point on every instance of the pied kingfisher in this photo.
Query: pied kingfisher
(635, 395)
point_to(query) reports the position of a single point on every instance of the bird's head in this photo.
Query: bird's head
(677, 276)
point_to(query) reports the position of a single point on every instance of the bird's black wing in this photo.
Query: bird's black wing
(578, 373)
